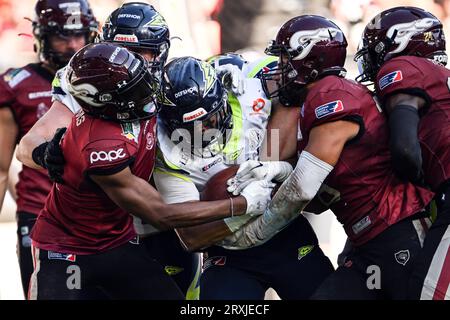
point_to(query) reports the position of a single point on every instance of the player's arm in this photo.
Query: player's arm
(138, 197)
(403, 111)
(326, 142)
(8, 139)
(57, 116)
(281, 136)
(176, 188)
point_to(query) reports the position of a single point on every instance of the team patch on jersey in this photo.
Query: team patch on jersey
(131, 130)
(389, 79)
(303, 251)
(329, 108)
(173, 270)
(14, 77)
(258, 105)
(52, 255)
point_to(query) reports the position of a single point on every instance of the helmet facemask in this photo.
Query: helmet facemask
(289, 89)
(207, 135)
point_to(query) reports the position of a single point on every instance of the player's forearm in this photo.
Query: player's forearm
(194, 213)
(202, 236)
(145, 202)
(25, 149)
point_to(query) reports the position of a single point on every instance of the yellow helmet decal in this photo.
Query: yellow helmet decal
(208, 76)
(157, 21)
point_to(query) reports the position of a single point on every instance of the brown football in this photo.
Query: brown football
(216, 187)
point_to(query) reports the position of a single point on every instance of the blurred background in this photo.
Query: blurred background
(202, 28)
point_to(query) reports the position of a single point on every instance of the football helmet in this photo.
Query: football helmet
(309, 47)
(112, 83)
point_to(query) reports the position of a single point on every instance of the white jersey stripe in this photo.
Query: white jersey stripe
(33, 287)
(435, 270)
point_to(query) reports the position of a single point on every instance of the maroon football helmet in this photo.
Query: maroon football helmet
(63, 18)
(400, 31)
(112, 83)
(309, 47)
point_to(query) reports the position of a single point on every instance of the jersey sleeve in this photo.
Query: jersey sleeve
(61, 93)
(334, 105)
(107, 157)
(259, 66)
(400, 75)
(6, 94)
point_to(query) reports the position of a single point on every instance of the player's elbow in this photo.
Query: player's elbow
(21, 150)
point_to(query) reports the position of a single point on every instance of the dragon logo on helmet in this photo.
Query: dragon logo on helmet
(303, 41)
(403, 32)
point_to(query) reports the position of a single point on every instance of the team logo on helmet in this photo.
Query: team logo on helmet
(85, 92)
(74, 10)
(208, 76)
(157, 21)
(402, 257)
(305, 40)
(403, 32)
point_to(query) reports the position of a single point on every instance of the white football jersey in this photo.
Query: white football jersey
(61, 93)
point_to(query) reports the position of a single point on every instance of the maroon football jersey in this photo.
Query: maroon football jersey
(422, 77)
(371, 197)
(27, 92)
(78, 216)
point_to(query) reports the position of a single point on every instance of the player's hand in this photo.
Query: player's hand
(257, 194)
(253, 170)
(232, 78)
(54, 158)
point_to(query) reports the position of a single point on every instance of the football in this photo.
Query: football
(216, 187)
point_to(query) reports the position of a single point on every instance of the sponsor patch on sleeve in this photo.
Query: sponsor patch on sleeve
(390, 78)
(329, 108)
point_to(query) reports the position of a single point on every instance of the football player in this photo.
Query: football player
(342, 142)
(86, 229)
(203, 129)
(140, 28)
(60, 28)
(403, 54)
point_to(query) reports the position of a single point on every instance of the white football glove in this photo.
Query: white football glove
(257, 194)
(232, 78)
(253, 170)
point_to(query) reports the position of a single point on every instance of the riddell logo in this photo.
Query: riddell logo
(125, 38)
(107, 156)
(194, 115)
